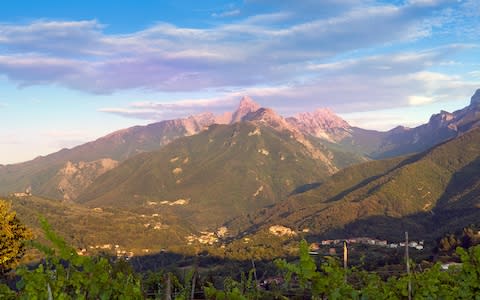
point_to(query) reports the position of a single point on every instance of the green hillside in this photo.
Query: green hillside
(224, 172)
(416, 191)
(40, 172)
(85, 227)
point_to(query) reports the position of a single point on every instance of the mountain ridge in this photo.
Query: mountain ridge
(320, 131)
(443, 179)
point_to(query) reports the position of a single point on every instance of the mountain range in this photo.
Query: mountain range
(252, 168)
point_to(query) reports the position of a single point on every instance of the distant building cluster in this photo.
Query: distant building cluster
(367, 241)
(26, 193)
(120, 253)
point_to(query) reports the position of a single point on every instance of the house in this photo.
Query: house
(449, 265)
(382, 243)
(314, 247)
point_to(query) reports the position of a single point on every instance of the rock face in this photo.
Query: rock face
(322, 123)
(75, 177)
(267, 117)
(280, 230)
(475, 100)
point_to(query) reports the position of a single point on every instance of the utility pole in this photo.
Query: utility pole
(345, 258)
(168, 290)
(407, 259)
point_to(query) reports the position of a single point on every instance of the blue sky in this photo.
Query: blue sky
(72, 71)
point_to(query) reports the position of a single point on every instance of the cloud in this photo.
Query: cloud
(419, 100)
(155, 111)
(370, 83)
(53, 37)
(273, 47)
(228, 13)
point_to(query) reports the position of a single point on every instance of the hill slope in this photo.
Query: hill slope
(431, 185)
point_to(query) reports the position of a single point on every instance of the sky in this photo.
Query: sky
(73, 71)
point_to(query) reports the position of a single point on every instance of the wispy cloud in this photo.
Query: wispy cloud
(228, 13)
(154, 111)
(347, 55)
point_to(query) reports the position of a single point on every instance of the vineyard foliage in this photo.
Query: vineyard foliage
(63, 274)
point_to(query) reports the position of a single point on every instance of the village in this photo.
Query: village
(315, 247)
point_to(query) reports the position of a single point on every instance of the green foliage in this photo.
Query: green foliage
(6, 293)
(434, 284)
(66, 275)
(183, 290)
(13, 235)
(305, 270)
(468, 279)
(244, 289)
(231, 291)
(328, 282)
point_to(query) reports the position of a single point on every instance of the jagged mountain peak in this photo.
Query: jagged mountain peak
(475, 100)
(268, 116)
(441, 119)
(247, 105)
(322, 123)
(261, 113)
(324, 118)
(247, 101)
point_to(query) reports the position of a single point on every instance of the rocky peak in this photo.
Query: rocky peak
(247, 105)
(475, 100)
(203, 119)
(441, 119)
(323, 118)
(321, 123)
(269, 117)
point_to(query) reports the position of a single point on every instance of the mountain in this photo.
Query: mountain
(246, 106)
(46, 176)
(117, 146)
(322, 123)
(326, 136)
(440, 127)
(209, 178)
(330, 128)
(426, 192)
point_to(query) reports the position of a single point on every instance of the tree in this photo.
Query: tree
(13, 235)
